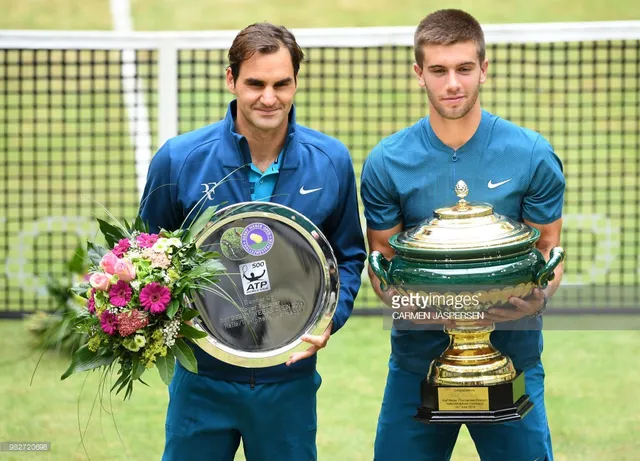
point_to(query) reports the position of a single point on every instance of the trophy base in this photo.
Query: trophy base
(514, 413)
(498, 403)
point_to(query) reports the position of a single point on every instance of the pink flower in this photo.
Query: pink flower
(147, 240)
(100, 281)
(108, 263)
(109, 323)
(125, 271)
(155, 297)
(120, 294)
(91, 305)
(122, 246)
(130, 322)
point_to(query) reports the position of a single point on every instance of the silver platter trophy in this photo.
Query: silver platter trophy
(282, 283)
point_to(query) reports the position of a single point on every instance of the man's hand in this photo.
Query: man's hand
(549, 238)
(521, 308)
(317, 342)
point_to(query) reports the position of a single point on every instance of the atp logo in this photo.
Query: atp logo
(255, 277)
(209, 189)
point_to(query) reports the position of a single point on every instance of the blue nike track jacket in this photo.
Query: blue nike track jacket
(192, 165)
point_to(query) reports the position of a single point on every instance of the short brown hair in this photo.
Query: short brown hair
(263, 38)
(446, 27)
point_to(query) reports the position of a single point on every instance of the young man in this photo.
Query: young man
(273, 410)
(413, 172)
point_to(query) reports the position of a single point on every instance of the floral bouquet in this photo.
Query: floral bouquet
(137, 311)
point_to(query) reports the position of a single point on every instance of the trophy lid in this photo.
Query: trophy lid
(465, 226)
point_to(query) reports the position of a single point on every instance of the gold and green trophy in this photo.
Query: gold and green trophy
(470, 252)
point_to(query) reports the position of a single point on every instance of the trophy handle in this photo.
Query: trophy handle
(546, 274)
(380, 267)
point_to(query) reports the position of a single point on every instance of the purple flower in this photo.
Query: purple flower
(91, 306)
(109, 323)
(155, 298)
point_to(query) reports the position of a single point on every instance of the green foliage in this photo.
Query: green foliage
(138, 225)
(166, 366)
(78, 262)
(95, 253)
(185, 356)
(57, 328)
(172, 308)
(199, 223)
(189, 314)
(112, 234)
(190, 332)
(84, 360)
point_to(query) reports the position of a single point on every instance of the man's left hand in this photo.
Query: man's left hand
(521, 308)
(317, 342)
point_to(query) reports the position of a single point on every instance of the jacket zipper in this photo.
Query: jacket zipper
(284, 153)
(252, 378)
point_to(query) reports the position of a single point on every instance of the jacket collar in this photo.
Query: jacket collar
(236, 148)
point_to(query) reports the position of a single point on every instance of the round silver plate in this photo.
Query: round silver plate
(281, 283)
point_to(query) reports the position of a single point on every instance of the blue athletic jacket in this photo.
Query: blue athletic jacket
(188, 166)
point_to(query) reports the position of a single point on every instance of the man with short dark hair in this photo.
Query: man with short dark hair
(269, 157)
(412, 173)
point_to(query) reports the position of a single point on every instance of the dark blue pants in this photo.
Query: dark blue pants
(207, 418)
(400, 437)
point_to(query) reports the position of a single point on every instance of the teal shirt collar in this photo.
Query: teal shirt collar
(273, 168)
(477, 140)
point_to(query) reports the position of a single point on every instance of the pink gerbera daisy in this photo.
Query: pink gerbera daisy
(122, 246)
(147, 240)
(155, 297)
(120, 294)
(109, 323)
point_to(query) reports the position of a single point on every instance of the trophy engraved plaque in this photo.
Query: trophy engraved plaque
(281, 283)
(469, 253)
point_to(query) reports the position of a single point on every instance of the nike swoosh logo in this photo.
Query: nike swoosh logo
(304, 191)
(493, 186)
